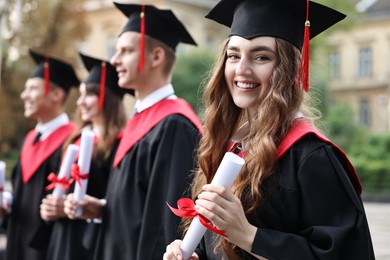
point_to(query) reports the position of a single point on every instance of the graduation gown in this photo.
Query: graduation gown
(67, 236)
(29, 179)
(137, 223)
(311, 208)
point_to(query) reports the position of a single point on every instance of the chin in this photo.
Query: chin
(29, 115)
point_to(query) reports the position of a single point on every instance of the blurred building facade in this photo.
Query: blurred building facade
(359, 66)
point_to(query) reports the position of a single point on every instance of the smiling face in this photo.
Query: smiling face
(88, 103)
(126, 59)
(248, 69)
(36, 104)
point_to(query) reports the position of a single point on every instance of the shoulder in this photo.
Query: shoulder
(177, 120)
(307, 146)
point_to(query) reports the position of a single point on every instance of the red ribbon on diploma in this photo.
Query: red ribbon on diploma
(76, 176)
(186, 209)
(53, 178)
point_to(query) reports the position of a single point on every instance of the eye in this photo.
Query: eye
(261, 58)
(232, 56)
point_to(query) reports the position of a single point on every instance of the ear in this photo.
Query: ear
(57, 94)
(157, 57)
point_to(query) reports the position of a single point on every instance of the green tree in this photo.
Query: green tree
(190, 72)
(47, 26)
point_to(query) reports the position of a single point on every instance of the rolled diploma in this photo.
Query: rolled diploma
(69, 158)
(227, 172)
(2, 180)
(85, 155)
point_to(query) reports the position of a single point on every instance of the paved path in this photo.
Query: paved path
(378, 215)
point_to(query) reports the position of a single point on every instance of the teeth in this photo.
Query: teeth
(245, 85)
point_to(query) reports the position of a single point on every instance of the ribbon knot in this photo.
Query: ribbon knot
(53, 178)
(76, 175)
(186, 209)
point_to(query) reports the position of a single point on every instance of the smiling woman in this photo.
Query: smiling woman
(100, 108)
(298, 195)
(248, 69)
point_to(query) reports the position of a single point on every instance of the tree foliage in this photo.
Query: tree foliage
(48, 27)
(190, 72)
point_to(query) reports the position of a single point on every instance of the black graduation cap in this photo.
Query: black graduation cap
(53, 70)
(159, 24)
(283, 19)
(103, 73)
(296, 21)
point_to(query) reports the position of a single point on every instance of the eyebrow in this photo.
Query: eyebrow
(255, 49)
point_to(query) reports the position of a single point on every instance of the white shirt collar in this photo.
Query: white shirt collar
(162, 93)
(47, 128)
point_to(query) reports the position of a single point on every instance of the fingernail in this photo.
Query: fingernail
(179, 257)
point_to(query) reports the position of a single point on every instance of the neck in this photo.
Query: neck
(47, 118)
(154, 82)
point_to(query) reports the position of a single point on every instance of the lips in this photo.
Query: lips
(243, 85)
(120, 72)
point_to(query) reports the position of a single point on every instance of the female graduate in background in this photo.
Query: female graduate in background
(298, 196)
(106, 117)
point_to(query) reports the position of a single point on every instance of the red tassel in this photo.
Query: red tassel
(102, 85)
(46, 75)
(304, 68)
(142, 41)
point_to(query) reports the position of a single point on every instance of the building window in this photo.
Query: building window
(364, 112)
(365, 62)
(335, 65)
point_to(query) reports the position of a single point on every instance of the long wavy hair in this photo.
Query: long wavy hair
(276, 112)
(114, 117)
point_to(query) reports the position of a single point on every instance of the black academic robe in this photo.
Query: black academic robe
(24, 220)
(67, 236)
(311, 209)
(137, 223)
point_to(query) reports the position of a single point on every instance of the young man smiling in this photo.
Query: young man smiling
(44, 96)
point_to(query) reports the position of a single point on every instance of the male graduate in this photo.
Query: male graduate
(44, 96)
(155, 158)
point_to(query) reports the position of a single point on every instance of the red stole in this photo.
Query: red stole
(33, 155)
(138, 126)
(302, 128)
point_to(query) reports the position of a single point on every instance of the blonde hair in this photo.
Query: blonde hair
(276, 113)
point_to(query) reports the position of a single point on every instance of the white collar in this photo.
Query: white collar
(47, 128)
(164, 92)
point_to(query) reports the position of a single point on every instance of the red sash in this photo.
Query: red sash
(302, 128)
(33, 155)
(138, 126)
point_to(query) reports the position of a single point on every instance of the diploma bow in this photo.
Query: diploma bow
(76, 175)
(54, 180)
(186, 209)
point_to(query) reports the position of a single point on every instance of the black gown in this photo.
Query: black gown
(311, 209)
(24, 221)
(137, 224)
(67, 236)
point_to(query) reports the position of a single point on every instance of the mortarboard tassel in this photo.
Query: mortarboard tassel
(102, 85)
(304, 68)
(142, 41)
(46, 75)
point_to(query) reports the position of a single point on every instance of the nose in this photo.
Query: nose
(23, 95)
(80, 101)
(114, 59)
(243, 67)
